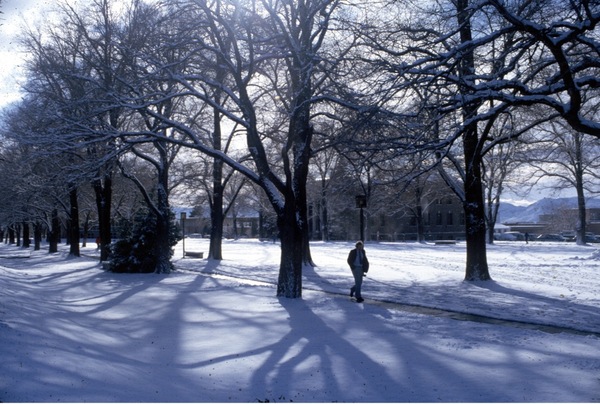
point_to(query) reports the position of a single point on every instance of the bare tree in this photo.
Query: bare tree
(562, 38)
(82, 69)
(477, 61)
(501, 161)
(270, 51)
(70, 69)
(569, 159)
(326, 184)
(45, 181)
(433, 56)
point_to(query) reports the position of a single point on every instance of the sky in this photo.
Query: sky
(15, 13)
(215, 331)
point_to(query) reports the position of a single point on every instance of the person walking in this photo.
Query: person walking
(359, 264)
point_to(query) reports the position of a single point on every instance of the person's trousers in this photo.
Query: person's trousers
(357, 272)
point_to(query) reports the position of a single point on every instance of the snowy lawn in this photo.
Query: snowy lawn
(70, 331)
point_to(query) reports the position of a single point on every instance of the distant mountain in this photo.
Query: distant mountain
(509, 213)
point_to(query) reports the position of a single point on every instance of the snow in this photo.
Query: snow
(215, 331)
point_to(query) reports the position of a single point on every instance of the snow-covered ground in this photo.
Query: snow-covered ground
(70, 331)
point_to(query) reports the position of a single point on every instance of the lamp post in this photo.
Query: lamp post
(361, 202)
(183, 215)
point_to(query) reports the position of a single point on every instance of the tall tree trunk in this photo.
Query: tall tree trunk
(419, 214)
(216, 208)
(292, 220)
(493, 206)
(301, 134)
(74, 223)
(86, 230)
(477, 267)
(324, 217)
(37, 236)
(26, 240)
(11, 234)
(163, 249)
(54, 233)
(302, 209)
(581, 216)
(289, 283)
(579, 171)
(163, 224)
(103, 191)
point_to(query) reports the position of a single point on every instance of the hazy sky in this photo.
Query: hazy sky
(15, 14)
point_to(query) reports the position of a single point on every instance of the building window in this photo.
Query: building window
(449, 219)
(438, 218)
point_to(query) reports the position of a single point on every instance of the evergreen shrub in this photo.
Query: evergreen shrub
(136, 250)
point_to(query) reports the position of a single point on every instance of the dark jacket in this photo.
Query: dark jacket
(352, 257)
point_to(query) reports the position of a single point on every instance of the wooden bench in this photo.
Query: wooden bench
(194, 254)
(444, 242)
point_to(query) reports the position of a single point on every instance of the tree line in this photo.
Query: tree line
(283, 97)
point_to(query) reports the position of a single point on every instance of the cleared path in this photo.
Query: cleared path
(428, 311)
